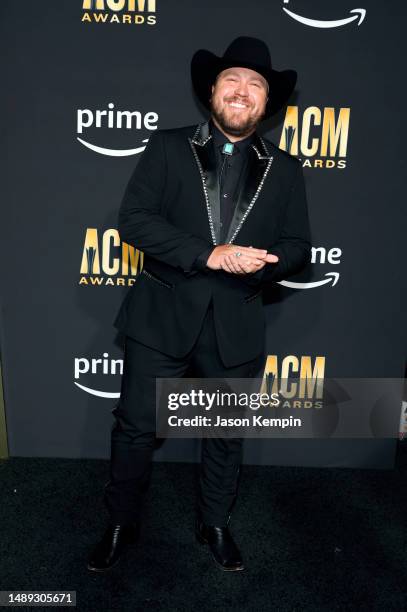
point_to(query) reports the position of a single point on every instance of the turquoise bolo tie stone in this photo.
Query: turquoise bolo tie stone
(228, 148)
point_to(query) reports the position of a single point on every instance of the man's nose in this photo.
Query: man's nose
(242, 89)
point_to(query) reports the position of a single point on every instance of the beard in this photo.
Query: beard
(231, 122)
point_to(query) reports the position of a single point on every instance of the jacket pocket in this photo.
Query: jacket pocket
(252, 296)
(157, 279)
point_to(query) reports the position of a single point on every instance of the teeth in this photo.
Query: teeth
(237, 105)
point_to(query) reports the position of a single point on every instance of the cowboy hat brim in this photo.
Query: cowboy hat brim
(205, 66)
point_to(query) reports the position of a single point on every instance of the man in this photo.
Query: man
(218, 211)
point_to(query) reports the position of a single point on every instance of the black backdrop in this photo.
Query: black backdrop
(65, 164)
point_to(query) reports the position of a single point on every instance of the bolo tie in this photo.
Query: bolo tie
(227, 151)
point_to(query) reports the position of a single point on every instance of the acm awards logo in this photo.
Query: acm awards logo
(136, 12)
(356, 15)
(317, 136)
(320, 256)
(87, 119)
(296, 377)
(107, 261)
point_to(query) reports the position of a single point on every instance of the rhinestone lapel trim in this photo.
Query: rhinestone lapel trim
(193, 142)
(265, 156)
(259, 188)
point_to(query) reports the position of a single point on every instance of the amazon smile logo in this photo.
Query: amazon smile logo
(98, 369)
(112, 119)
(356, 15)
(320, 255)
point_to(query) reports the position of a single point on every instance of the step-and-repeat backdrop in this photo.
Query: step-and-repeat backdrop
(84, 84)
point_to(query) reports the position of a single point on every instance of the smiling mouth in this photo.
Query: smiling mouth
(237, 105)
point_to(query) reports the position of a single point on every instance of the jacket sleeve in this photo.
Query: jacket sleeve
(140, 221)
(202, 259)
(293, 247)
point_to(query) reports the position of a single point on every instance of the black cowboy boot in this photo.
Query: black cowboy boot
(223, 548)
(114, 541)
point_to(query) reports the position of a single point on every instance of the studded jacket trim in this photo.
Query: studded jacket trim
(258, 167)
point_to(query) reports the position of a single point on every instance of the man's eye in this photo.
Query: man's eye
(256, 84)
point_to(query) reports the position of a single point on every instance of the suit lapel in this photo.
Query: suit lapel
(206, 160)
(257, 168)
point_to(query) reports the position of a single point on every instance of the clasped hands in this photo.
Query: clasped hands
(223, 257)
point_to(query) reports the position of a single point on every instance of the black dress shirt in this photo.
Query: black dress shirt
(230, 174)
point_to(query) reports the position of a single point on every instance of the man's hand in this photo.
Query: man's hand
(223, 257)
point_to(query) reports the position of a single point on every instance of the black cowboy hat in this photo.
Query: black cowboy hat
(245, 52)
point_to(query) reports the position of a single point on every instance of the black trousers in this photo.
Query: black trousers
(133, 435)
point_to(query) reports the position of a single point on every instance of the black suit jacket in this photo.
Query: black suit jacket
(171, 212)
